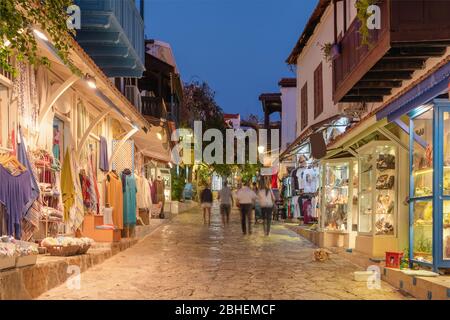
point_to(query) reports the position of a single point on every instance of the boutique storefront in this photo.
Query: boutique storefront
(360, 198)
(424, 112)
(67, 150)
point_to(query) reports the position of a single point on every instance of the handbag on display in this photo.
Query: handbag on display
(385, 182)
(385, 162)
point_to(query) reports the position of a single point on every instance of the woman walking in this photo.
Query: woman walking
(266, 201)
(206, 199)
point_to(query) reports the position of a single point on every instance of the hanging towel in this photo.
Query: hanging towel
(67, 186)
(103, 165)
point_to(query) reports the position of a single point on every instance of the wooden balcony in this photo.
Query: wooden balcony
(112, 33)
(154, 107)
(411, 32)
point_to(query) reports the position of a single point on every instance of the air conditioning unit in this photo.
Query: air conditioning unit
(134, 96)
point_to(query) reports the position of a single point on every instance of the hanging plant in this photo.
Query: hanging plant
(17, 38)
(362, 15)
(330, 51)
(326, 51)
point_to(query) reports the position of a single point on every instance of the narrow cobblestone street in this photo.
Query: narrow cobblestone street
(187, 260)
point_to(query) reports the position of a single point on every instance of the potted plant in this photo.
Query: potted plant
(330, 51)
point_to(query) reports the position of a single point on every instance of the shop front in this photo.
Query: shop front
(339, 202)
(425, 115)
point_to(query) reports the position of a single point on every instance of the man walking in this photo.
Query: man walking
(246, 198)
(226, 201)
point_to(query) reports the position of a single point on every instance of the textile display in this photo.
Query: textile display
(124, 158)
(129, 198)
(15, 194)
(103, 162)
(67, 186)
(77, 210)
(114, 198)
(143, 196)
(33, 207)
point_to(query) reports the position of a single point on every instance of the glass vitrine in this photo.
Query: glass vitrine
(430, 184)
(378, 189)
(337, 195)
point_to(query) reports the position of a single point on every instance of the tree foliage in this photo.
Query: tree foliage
(17, 39)
(200, 105)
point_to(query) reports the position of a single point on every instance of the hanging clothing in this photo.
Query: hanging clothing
(159, 191)
(129, 198)
(77, 211)
(3, 221)
(143, 193)
(33, 207)
(15, 194)
(67, 186)
(103, 162)
(274, 182)
(153, 192)
(114, 198)
(92, 174)
(22, 156)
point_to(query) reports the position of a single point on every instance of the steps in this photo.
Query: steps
(89, 230)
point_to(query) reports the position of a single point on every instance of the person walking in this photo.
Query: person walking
(206, 200)
(226, 201)
(246, 198)
(266, 200)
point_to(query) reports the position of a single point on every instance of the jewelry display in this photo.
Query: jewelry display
(378, 189)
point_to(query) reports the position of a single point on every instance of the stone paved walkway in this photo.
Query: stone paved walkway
(187, 260)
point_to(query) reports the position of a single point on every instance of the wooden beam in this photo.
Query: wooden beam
(121, 143)
(362, 99)
(377, 75)
(55, 96)
(415, 52)
(88, 131)
(378, 84)
(369, 92)
(399, 65)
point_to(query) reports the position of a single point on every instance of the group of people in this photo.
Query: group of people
(245, 199)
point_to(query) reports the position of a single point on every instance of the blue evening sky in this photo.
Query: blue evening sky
(238, 46)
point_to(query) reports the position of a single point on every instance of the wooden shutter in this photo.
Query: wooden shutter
(318, 91)
(304, 106)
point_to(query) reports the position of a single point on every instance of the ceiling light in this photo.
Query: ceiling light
(40, 35)
(91, 82)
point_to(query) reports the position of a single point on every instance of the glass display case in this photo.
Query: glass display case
(337, 195)
(430, 184)
(378, 188)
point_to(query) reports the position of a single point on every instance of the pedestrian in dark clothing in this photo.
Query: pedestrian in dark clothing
(206, 200)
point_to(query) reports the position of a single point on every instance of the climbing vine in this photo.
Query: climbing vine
(17, 38)
(362, 15)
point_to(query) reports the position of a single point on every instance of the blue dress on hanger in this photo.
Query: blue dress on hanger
(129, 201)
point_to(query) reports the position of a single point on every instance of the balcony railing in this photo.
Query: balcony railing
(154, 107)
(411, 31)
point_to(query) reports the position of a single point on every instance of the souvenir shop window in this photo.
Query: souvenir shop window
(422, 157)
(423, 231)
(446, 230)
(336, 196)
(446, 154)
(378, 172)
